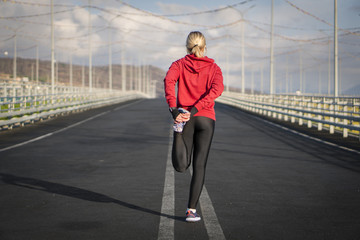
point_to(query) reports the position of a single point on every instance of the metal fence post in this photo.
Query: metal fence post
(332, 127)
(345, 130)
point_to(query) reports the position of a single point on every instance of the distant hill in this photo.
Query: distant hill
(27, 68)
(354, 91)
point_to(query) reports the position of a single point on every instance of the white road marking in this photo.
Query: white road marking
(61, 130)
(307, 136)
(166, 226)
(211, 221)
(212, 225)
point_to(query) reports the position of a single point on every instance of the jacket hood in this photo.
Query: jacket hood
(195, 64)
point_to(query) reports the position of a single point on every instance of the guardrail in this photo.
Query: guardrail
(331, 113)
(22, 103)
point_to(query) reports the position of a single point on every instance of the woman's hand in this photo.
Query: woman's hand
(183, 117)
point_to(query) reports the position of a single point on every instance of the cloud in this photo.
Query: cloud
(168, 9)
(160, 40)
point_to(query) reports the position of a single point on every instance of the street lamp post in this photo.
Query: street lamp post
(243, 47)
(242, 56)
(110, 60)
(37, 64)
(272, 50)
(71, 73)
(123, 69)
(90, 49)
(336, 72)
(14, 60)
(52, 50)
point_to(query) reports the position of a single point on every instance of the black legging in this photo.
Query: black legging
(196, 138)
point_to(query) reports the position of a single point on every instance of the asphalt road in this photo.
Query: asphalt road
(101, 174)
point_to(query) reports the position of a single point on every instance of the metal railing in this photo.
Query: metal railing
(22, 102)
(332, 113)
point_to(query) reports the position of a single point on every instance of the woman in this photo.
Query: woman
(200, 82)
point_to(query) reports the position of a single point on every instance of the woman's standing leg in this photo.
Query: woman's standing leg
(203, 134)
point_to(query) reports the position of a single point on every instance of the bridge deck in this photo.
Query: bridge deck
(100, 175)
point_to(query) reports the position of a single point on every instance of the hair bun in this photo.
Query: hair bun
(195, 43)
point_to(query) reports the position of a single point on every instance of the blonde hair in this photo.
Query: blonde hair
(195, 44)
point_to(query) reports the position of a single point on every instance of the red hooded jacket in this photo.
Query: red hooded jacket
(200, 82)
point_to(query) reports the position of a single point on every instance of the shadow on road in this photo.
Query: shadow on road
(74, 192)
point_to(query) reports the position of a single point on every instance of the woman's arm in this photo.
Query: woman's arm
(216, 89)
(172, 76)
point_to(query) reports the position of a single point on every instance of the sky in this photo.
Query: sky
(154, 32)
